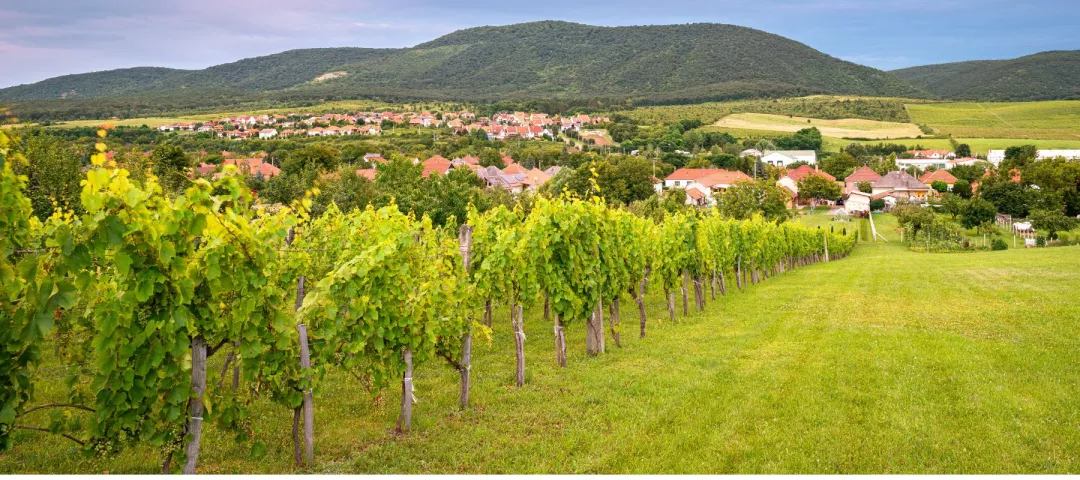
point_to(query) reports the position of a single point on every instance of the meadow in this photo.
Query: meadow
(842, 128)
(888, 361)
(1048, 120)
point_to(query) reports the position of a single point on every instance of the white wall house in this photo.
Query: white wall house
(267, 133)
(996, 156)
(783, 158)
(923, 163)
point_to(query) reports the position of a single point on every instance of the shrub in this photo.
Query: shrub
(878, 204)
(998, 244)
(1040, 240)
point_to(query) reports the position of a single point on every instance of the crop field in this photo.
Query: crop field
(816, 106)
(1050, 120)
(843, 128)
(888, 361)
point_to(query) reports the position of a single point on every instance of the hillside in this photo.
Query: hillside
(653, 64)
(1042, 76)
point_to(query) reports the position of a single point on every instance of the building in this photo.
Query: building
(683, 177)
(996, 156)
(700, 192)
(901, 186)
(932, 154)
(857, 202)
(790, 180)
(923, 163)
(938, 176)
(267, 133)
(861, 174)
(784, 158)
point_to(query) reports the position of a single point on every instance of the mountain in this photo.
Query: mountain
(660, 64)
(1042, 76)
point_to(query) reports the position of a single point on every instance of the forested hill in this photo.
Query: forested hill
(658, 64)
(1042, 76)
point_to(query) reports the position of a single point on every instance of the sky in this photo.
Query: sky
(41, 39)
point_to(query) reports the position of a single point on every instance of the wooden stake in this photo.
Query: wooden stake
(685, 292)
(198, 383)
(405, 417)
(519, 342)
(465, 367)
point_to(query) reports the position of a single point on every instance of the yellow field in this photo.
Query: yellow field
(843, 128)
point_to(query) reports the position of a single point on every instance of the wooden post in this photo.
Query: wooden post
(738, 273)
(826, 246)
(613, 319)
(405, 417)
(465, 367)
(723, 287)
(685, 292)
(560, 342)
(640, 299)
(198, 383)
(712, 284)
(487, 312)
(298, 456)
(594, 331)
(519, 341)
(309, 407)
(670, 297)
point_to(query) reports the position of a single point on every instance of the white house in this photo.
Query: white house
(857, 202)
(267, 133)
(996, 156)
(923, 163)
(783, 158)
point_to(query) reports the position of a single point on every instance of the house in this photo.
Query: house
(861, 174)
(750, 152)
(791, 180)
(966, 161)
(437, 164)
(374, 158)
(938, 176)
(857, 202)
(901, 186)
(932, 154)
(497, 178)
(922, 163)
(535, 178)
(683, 177)
(783, 158)
(267, 133)
(712, 184)
(996, 156)
(657, 185)
(368, 173)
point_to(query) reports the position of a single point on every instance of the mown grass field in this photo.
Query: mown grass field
(1049, 120)
(889, 361)
(843, 128)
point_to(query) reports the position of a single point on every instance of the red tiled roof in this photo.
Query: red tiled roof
(806, 170)
(723, 177)
(692, 173)
(942, 175)
(863, 174)
(368, 173)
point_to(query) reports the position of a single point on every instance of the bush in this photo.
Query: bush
(1040, 240)
(998, 244)
(878, 204)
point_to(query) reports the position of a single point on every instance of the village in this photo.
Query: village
(500, 126)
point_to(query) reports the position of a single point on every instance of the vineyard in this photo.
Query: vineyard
(139, 292)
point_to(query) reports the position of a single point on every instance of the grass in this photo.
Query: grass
(1049, 120)
(889, 361)
(843, 128)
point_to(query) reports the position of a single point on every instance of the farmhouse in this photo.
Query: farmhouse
(790, 180)
(267, 133)
(683, 177)
(938, 176)
(857, 202)
(901, 186)
(996, 156)
(783, 158)
(862, 174)
(700, 192)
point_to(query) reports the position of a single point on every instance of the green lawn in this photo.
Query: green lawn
(889, 361)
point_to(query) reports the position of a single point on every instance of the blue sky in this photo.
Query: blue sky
(41, 39)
